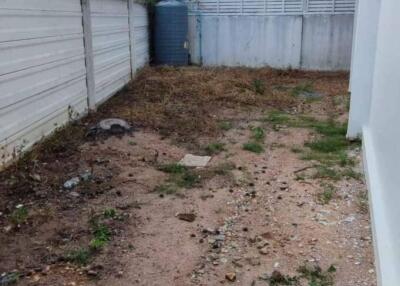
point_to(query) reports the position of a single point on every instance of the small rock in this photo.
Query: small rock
(36, 177)
(349, 219)
(264, 251)
(189, 217)
(86, 176)
(74, 195)
(119, 274)
(7, 229)
(71, 183)
(230, 276)
(92, 273)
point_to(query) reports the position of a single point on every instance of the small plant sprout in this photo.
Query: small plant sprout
(19, 215)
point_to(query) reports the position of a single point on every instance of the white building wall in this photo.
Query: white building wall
(45, 60)
(363, 64)
(380, 116)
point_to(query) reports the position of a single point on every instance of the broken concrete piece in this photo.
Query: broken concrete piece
(195, 161)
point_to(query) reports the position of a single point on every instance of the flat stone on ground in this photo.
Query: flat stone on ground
(195, 161)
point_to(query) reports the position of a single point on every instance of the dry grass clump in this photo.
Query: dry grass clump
(187, 102)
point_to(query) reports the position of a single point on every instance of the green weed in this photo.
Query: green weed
(173, 168)
(316, 276)
(80, 257)
(253, 147)
(214, 148)
(258, 133)
(327, 195)
(110, 213)
(258, 86)
(166, 189)
(19, 215)
(324, 172)
(302, 88)
(225, 125)
(102, 235)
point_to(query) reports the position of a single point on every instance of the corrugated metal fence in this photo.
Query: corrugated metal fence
(58, 58)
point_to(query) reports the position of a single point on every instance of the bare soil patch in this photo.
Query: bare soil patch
(281, 202)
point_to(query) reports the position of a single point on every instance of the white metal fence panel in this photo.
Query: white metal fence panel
(42, 69)
(141, 36)
(270, 7)
(111, 47)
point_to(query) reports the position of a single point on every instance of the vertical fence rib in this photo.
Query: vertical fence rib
(88, 43)
(131, 11)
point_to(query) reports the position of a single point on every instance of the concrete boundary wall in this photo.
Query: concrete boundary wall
(61, 58)
(310, 42)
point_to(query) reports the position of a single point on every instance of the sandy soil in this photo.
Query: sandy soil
(255, 219)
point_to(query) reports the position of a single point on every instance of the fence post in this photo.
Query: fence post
(88, 43)
(131, 10)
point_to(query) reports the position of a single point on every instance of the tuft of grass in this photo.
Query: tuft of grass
(327, 195)
(316, 276)
(253, 147)
(258, 86)
(110, 213)
(180, 177)
(80, 257)
(188, 180)
(329, 149)
(225, 125)
(302, 88)
(214, 148)
(328, 144)
(258, 134)
(19, 215)
(173, 168)
(296, 150)
(324, 172)
(362, 202)
(280, 279)
(350, 173)
(277, 117)
(166, 189)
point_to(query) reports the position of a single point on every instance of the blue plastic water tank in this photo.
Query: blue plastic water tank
(170, 33)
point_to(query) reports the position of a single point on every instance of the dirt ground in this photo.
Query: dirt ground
(282, 201)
